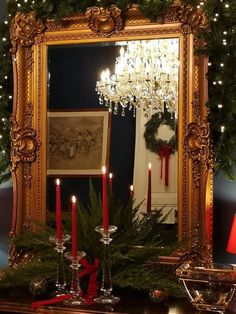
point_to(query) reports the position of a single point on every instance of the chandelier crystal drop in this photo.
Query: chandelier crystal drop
(146, 76)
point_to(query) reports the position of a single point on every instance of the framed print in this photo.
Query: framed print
(78, 142)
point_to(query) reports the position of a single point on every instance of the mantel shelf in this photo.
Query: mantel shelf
(129, 304)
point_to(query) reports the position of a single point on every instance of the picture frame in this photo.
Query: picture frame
(78, 142)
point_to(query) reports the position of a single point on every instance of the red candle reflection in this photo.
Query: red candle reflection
(58, 210)
(74, 234)
(104, 199)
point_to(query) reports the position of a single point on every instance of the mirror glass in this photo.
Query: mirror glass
(81, 124)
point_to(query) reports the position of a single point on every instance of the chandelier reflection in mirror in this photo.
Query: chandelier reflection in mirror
(146, 76)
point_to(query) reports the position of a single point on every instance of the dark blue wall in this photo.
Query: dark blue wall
(74, 71)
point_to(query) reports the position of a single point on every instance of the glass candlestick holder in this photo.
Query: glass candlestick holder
(75, 289)
(60, 279)
(106, 285)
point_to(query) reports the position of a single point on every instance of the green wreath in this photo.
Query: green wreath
(153, 143)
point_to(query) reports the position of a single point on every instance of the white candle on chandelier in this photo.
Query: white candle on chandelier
(122, 52)
(107, 75)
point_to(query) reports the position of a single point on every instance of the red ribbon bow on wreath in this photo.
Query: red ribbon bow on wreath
(92, 286)
(165, 152)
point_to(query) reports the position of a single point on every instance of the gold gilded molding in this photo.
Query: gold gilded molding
(105, 21)
(24, 28)
(198, 147)
(189, 17)
(197, 141)
(103, 25)
(24, 146)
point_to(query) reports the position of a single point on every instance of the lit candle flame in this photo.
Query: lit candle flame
(103, 169)
(131, 188)
(73, 199)
(58, 182)
(149, 165)
(110, 175)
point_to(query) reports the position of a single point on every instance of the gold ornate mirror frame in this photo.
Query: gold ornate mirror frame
(30, 39)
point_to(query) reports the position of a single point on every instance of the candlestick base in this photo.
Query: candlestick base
(60, 279)
(75, 289)
(106, 287)
(107, 299)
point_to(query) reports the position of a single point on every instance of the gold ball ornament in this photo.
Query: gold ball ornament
(38, 286)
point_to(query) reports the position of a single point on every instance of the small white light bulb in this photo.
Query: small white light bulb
(222, 129)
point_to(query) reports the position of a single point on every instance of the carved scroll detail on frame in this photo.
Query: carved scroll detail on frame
(24, 145)
(24, 29)
(105, 21)
(197, 141)
(198, 145)
(189, 17)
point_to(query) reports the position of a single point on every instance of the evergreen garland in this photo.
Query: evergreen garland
(134, 250)
(220, 38)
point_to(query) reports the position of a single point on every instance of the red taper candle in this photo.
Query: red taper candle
(104, 199)
(110, 181)
(74, 234)
(58, 210)
(149, 192)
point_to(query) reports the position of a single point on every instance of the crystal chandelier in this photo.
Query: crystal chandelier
(146, 76)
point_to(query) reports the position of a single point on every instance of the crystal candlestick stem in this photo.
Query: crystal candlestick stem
(75, 289)
(106, 286)
(60, 279)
